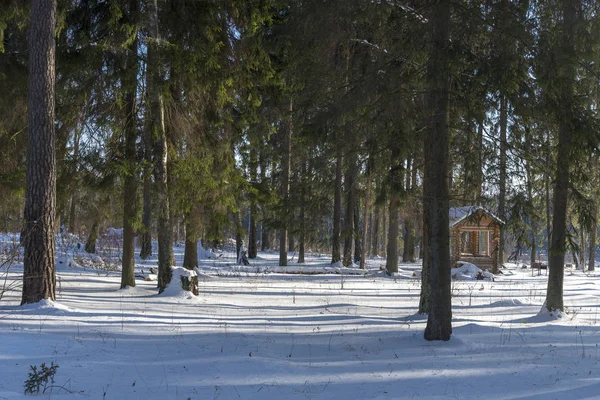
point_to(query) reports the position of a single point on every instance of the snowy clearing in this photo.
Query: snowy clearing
(254, 334)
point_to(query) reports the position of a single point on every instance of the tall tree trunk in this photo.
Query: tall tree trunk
(408, 253)
(502, 185)
(252, 248)
(39, 269)
(479, 176)
(252, 231)
(303, 189)
(160, 150)
(350, 184)
(264, 238)
(192, 235)
(239, 240)
(592, 257)
(357, 237)
(190, 255)
(366, 217)
(130, 181)
(285, 187)
(396, 180)
(375, 232)
(554, 296)
(146, 231)
(439, 321)
(548, 204)
(74, 197)
(337, 209)
(384, 231)
(391, 262)
(90, 244)
(534, 226)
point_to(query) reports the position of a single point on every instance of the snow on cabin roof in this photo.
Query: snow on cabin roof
(458, 214)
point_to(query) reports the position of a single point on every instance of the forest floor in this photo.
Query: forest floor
(255, 334)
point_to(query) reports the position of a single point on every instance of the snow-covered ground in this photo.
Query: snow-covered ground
(257, 334)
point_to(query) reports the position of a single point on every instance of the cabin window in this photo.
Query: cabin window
(484, 243)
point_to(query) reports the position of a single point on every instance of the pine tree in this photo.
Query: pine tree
(39, 280)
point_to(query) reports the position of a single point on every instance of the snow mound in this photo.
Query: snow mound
(544, 315)
(337, 265)
(470, 272)
(46, 306)
(510, 302)
(174, 288)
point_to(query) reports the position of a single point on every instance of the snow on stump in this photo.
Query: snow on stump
(183, 280)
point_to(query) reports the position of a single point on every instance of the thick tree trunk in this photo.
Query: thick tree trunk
(548, 204)
(357, 237)
(592, 258)
(303, 190)
(90, 244)
(384, 231)
(366, 217)
(479, 176)
(285, 187)
(348, 232)
(426, 290)
(391, 262)
(190, 257)
(408, 253)
(239, 240)
(554, 296)
(533, 217)
(160, 150)
(375, 232)
(192, 235)
(439, 321)
(130, 181)
(74, 197)
(39, 269)
(502, 185)
(252, 248)
(146, 231)
(252, 231)
(396, 178)
(337, 210)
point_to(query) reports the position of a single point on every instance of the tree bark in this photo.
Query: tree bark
(436, 147)
(502, 172)
(366, 217)
(73, 228)
(252, 231)
(90, 244)
(160, 149)
(348, 231)
(337, 210)
(39, 269)
(375, 232)
(303, 189)
(396, 186)
(285, 188)
(554, 296)
(130, 181)
(592, 257)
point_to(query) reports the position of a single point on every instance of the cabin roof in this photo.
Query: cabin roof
(459, 214)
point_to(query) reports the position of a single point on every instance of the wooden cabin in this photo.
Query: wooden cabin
(474, 236)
